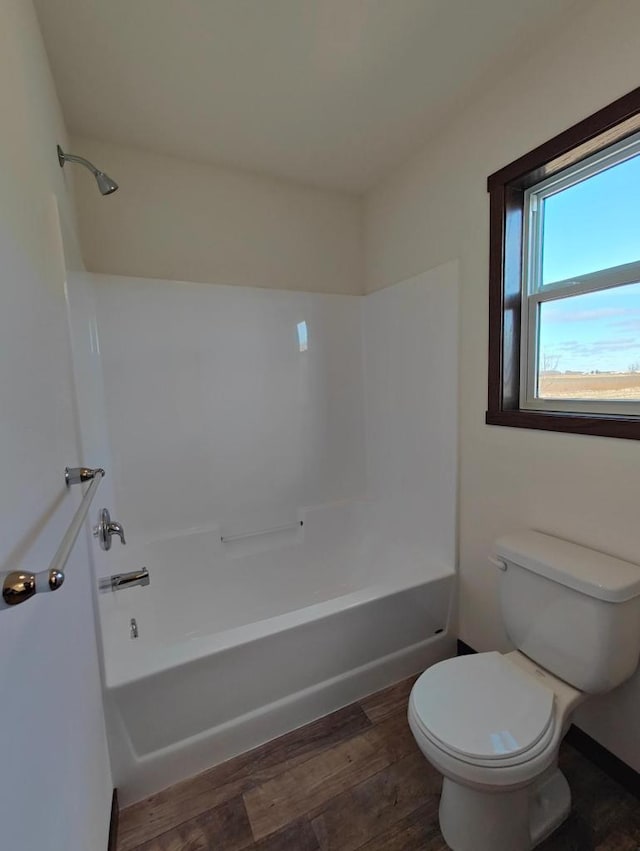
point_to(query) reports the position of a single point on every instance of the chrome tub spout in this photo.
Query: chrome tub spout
(125, 580)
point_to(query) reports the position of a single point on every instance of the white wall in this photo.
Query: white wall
(187, 221)
(55, 784)
(411, 375)
(215, 417)
(435, 208)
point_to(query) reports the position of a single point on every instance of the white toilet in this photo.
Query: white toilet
(492, 724)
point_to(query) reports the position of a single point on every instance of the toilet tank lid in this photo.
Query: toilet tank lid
(587, 571)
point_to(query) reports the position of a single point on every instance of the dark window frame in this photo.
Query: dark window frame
(506, 189)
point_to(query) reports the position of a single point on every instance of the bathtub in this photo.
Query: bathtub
(242, 640)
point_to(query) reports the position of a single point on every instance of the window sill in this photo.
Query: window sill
(608, 425)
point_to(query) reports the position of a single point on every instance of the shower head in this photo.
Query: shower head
(105, 184)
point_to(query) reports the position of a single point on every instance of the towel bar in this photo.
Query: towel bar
(21, 585)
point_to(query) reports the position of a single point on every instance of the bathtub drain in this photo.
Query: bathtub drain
(133, 631)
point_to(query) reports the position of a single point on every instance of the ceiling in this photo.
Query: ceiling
(329, 92)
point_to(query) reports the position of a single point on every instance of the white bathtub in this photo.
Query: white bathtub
(240, 642)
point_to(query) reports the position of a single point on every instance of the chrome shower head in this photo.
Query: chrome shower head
(105, 184)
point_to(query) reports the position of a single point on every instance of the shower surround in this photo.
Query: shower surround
(284, 464)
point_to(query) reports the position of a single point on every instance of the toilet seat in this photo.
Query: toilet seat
(484, 711)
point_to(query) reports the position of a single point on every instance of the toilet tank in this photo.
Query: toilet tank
(574, 611)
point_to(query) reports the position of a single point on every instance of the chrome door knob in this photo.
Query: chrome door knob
(106, 528)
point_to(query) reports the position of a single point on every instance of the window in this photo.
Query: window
(580, 340)
(564, 348)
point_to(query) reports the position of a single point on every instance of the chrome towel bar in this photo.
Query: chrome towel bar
(21, 585)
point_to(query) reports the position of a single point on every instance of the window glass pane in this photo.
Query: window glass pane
(589, 346)
(592, 225)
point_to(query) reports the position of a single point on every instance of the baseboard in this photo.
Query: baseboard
(612, 765)
(604, 759)
(113, 822)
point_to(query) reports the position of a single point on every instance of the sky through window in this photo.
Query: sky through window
(588, 227)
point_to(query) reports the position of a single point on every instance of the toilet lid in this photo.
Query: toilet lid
(482, 707)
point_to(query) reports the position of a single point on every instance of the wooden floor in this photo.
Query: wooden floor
(354, 779)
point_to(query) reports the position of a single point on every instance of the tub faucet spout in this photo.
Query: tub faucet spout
(124, 580)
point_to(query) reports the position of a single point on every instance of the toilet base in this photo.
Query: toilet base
(475, 820)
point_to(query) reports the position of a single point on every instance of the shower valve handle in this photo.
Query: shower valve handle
(106, 529)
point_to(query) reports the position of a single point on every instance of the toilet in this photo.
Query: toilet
(492, 723)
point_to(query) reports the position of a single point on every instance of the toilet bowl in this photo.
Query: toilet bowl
(492, 723)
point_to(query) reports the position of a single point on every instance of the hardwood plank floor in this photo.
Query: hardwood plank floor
(349, 820)
(305, 788)
(171, 807)
(225, 826)
(354, 779)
